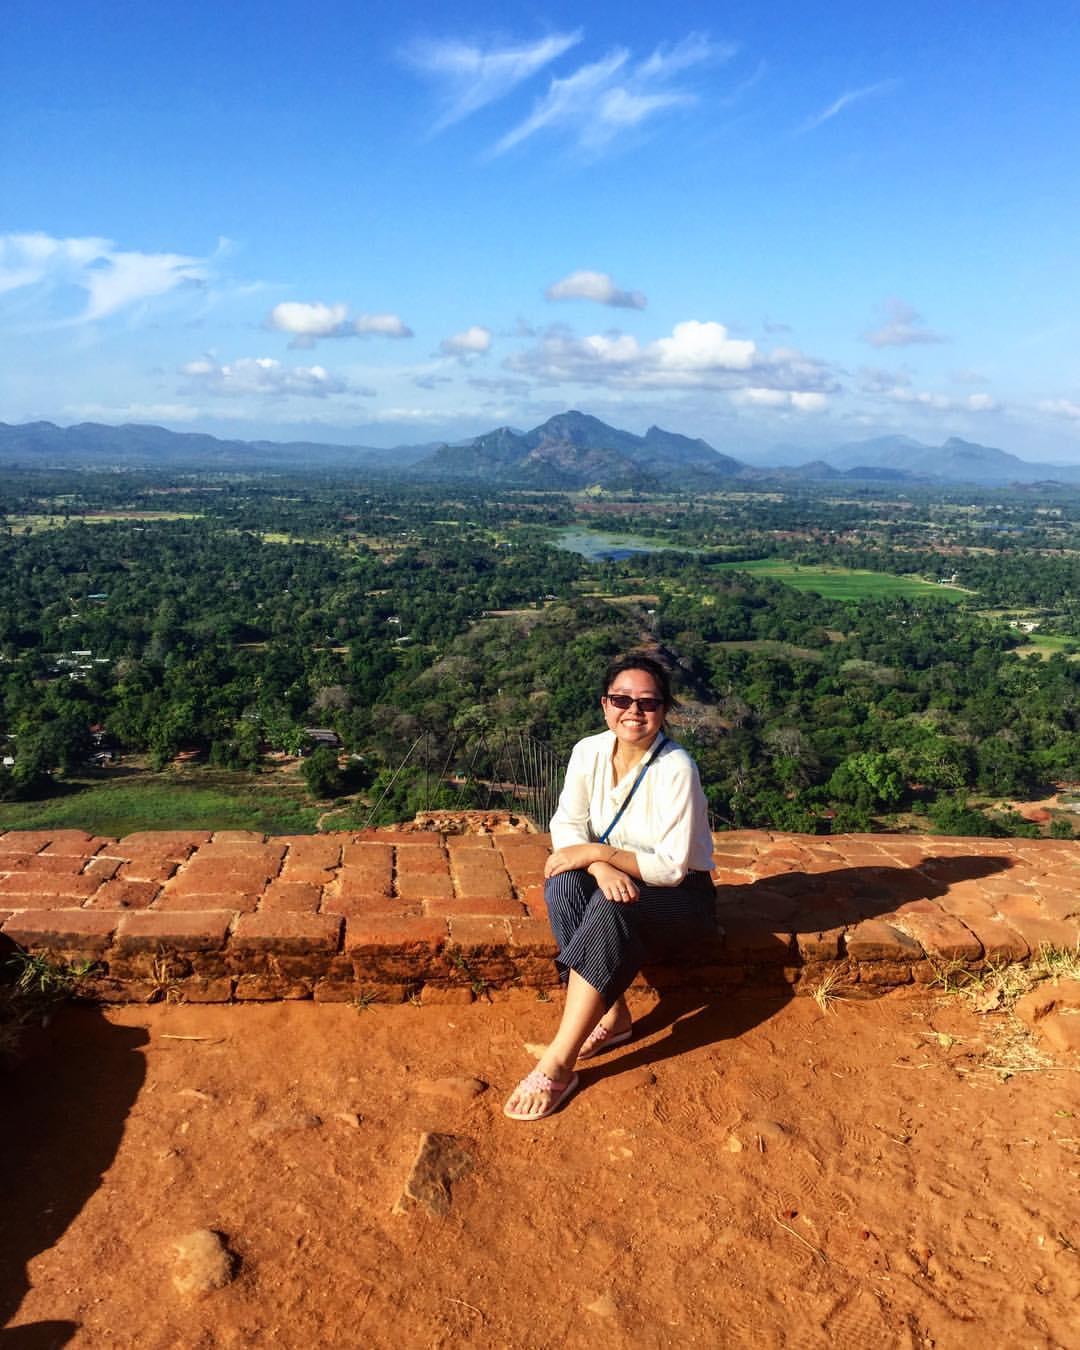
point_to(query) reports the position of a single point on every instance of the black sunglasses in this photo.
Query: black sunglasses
(624, 701)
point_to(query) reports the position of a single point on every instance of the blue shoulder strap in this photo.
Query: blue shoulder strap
(626, 800)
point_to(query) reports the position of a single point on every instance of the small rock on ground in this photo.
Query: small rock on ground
(202, 1263)
(440, 1160)
(455, 1089)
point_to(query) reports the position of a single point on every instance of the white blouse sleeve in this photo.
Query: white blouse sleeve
(677, 806)
(570, 823)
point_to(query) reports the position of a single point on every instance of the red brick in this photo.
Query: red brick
(1062, 933)
(297, 934)
(999, 940)
(363, 881)
(372, 902)
(823, 945)
(488, 906)
(941, 936)
(71, 929)
(237, 837)
(291, 896)
(125, 895)
(298, 874)
(26, 841)
(468, 841)
(424, 886)
(965, 904)
(873, 940)
(1019, 905)
(199, 878)
(482, 886)
(532, 897)
(59, 864)
(148, 930)
(367, 855)
(77, 843)
(102, 868)
(468, 931)
(1057, 903)
(311, 850)
(44, 889)
(885, 973)
(148, 869)
(385, 931)
(533, 935)
(241, 855)
(421, 859)
(240, 902)
(163, 840)
(507, 842)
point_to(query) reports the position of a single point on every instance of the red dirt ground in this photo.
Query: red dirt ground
(754, 1173)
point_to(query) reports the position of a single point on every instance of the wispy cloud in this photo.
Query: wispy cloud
(112, 279)
(473, 76)
(846, 100)
(266, 377)
(597, 286)
(605, 99)
(902, 327)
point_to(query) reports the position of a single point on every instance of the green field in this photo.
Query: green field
(844, 583)
(1046, 644)
(189, 799)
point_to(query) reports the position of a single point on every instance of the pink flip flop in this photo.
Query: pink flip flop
(540, 1082)
(600, 1040)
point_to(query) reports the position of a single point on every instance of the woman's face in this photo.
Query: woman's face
(632, 726)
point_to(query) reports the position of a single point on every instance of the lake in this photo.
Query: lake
(600, 546)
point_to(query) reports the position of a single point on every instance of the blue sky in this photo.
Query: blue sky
(383, 223)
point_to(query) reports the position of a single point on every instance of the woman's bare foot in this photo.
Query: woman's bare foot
(614, 1028)
(542, 1091)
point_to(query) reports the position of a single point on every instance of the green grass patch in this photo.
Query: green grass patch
(187, 799)
(1046, 644)
(845, 583)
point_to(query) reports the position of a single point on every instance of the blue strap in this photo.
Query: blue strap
(626, 800)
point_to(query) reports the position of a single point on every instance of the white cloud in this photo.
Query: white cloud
(598, 286)
(382, 325)
(473, 76)
(604, 99)
(266, 377)
(309, 322)
(1061, 407)
(799, 400)
(472, 342)
(902, 327)
(846, 100)
(697, 355)
(113, 279)
(981, 403)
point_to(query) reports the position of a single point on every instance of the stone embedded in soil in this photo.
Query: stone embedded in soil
(604, 1306)
(440, 1160)
(202, 1263)
(454, 1089)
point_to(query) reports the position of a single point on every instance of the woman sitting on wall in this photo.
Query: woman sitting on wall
(632, 854)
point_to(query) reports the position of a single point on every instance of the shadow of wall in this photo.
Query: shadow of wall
(62, 1114)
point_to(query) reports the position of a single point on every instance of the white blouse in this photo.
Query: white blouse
(666, 824)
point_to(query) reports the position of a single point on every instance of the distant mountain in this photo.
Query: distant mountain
(573, 450)
(955, 461)
(92, 444)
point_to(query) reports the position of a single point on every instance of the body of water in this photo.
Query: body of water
(599, 546)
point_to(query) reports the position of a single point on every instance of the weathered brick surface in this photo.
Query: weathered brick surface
(69, 929)
(295, 897)
(286, 932)
(148, 930)
(412, 906)
(125, 895)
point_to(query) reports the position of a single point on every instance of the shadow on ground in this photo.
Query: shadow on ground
(61, 1121)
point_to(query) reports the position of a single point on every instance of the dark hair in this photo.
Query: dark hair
(651, 666)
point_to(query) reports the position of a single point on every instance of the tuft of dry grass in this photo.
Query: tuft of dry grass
(824, 993)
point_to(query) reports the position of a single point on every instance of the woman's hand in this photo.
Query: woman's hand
(572, 857)
(616, 885)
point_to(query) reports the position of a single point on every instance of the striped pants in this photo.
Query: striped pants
(607, 943)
